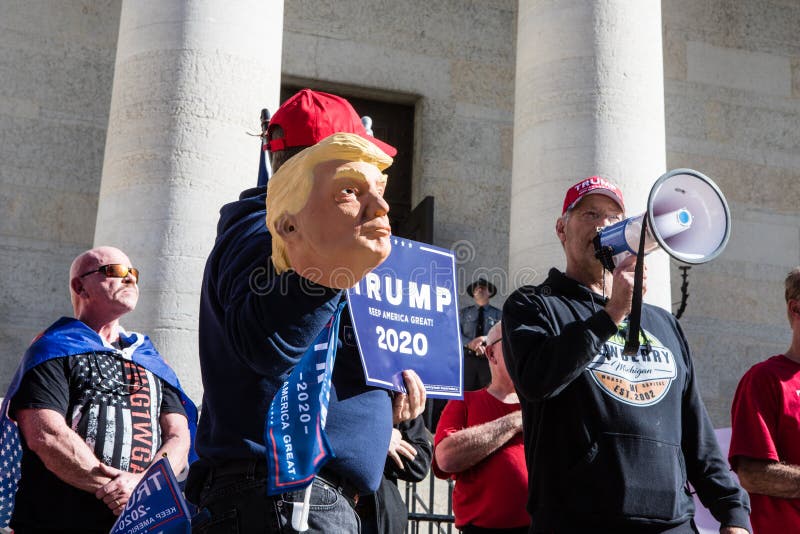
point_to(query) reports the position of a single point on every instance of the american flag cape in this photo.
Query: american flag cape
(70, 337)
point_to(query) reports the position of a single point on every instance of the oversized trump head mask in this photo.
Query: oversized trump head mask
(326, 212)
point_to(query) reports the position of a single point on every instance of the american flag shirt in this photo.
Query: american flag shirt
(111, 396)
(109, 401)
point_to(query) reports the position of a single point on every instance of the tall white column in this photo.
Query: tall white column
(589, 100)
(190, 80)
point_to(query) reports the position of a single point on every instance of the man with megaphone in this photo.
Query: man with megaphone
(612, 437)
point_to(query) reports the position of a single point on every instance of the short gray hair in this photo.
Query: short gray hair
(792, 284)
(495, 333)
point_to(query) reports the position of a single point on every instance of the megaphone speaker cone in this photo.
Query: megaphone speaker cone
(687, 216)
(710, 229)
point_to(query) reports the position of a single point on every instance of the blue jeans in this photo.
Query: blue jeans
(239, 504)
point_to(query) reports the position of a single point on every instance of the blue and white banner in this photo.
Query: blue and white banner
(294, 434)
(405, 316)
(156, 505)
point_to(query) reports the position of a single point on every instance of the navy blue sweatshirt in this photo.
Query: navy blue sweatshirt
(611, 440)
(254, 327)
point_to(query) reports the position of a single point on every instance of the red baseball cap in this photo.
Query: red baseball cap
(309, 116)
(590, 186)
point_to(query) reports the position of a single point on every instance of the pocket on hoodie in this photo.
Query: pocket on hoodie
(626, 475)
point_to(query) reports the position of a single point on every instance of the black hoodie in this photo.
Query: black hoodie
(611, 440)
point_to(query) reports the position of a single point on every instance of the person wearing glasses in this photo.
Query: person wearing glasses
(95, 405)
(475, 321)
(479, 444)
(612, 440)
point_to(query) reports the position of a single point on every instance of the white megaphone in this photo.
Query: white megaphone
(687, 216)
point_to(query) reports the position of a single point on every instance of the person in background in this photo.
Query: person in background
(409, 459)
(96, 405)
(476, 320)
(765, 434)
(479, 444)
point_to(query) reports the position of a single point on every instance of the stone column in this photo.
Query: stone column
(190, 80)
(589, 100)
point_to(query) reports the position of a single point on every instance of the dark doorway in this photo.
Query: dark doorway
(419, 223)
(393, 123)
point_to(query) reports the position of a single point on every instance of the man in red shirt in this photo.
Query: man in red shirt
(479, 444)
(766, 430)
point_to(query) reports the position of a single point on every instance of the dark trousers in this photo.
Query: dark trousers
(469, 529)
(689, 527)
(237, 502)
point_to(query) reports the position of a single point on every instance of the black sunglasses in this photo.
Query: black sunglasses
(115, 270)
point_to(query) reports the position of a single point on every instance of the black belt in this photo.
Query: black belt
(339, 483)
(258, 469)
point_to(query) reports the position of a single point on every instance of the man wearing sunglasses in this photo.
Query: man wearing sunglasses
(95, 405)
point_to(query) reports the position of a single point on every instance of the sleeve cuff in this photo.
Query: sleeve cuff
(602, 325)
(737, 517)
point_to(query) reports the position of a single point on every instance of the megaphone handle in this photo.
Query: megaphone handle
(604, 254)
(635, 317)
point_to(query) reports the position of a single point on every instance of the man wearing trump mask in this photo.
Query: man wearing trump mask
(268, 290)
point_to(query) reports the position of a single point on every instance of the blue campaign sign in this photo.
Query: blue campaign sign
(405, 316)
(156, 505)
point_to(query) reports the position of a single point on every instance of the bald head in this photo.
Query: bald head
(495, 333)
(102, 295)
(94, 258)
(501, 381)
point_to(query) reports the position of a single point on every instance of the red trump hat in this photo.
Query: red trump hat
(590, 186)
(309, 116)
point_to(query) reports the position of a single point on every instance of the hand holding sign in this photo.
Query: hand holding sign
(116, 493)
(155, 505)
(408, 405)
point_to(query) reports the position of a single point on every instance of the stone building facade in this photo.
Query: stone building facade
(127, 123)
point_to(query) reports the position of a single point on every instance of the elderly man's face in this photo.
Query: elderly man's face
(107, 295)
(344, 224)
(494, 350)
(578, 232)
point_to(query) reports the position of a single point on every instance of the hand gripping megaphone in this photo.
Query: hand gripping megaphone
(687, 216)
